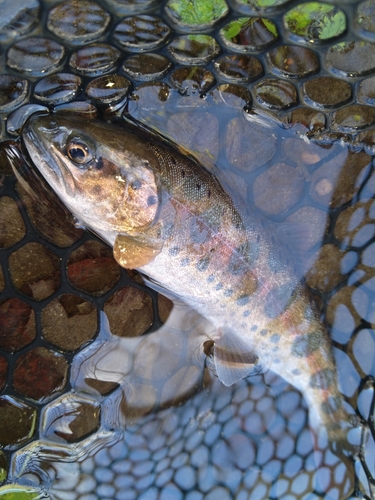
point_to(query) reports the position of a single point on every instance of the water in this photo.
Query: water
(164, 431)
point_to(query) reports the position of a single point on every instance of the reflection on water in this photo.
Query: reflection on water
(142, 415)
(146, 416)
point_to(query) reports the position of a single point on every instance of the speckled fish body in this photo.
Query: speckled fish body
(167, 216)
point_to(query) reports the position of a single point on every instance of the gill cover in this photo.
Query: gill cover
(104, 173)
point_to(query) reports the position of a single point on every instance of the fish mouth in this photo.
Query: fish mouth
(39, 140)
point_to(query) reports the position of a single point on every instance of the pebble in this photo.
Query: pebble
(351, 58)
(146, 67)
(14, 92)
(141, 33)
(290, 61)
(36, 56)
(185, 477)
(326, 92)
(78, 22)
(249, 34)
(287, 181)
(193, 49)
(275, 94)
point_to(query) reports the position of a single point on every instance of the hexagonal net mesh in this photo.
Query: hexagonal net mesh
(280, 98)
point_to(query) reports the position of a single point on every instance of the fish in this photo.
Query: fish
(170, 218)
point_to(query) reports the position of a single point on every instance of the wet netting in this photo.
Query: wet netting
(97, 399)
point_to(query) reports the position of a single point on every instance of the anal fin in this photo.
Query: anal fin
(233, 358)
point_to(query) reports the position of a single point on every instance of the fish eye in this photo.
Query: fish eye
(79, 152)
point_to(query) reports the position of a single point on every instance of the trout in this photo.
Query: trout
(167, 216)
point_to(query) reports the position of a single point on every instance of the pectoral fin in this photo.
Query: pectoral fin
(233, 358)
(132, 254)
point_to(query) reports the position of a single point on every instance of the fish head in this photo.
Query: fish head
(104, 174)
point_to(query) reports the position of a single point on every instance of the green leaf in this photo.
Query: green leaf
(270, 26)
(198, 11)
(15, 492)
(203, 39)
(233, 28)
(268, 3)
(332, 26)
(315, 20)
(263, 3)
